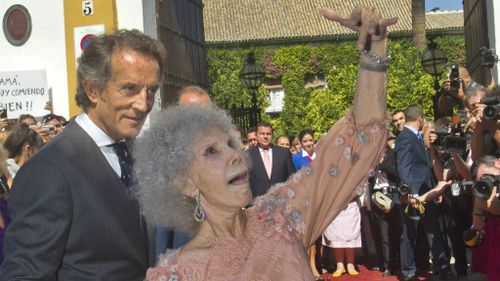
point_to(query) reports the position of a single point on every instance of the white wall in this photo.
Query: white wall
(129, 14)
(493, 10)
(45, 49)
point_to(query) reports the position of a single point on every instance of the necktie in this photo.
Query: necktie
(267, 162)
(125, 163)
(420, 138)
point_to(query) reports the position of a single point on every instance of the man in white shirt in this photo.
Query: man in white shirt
(75, 215)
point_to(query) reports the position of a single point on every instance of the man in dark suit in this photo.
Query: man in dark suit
(414, 168)
(75, 216)
(270, 164)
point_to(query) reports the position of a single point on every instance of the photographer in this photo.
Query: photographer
(455, 89)
(486, 172)
(486, 136)
(448, 148)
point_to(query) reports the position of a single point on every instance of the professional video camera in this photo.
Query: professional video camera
(483, 187)
(448, 141)
(454, 78)
(492, 110)
(458, 188)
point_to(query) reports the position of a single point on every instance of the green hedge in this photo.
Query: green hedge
(318, 109)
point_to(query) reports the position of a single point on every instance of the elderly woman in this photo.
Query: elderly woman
(191, 169)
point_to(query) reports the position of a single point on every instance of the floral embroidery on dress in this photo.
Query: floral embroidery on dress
(361, 137)
(306, 202)
(333, 170)
(350, 131)
(339, 141)
(173, 277)
(297, 176)
(307, 170)
(166, 269)
(347, 152)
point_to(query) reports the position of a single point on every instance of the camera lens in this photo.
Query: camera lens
(490, 112)
(482, 188)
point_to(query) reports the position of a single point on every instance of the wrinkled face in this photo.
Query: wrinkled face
(264, 136)
(252, 138)
(307, 144)
(398, 121)
(122, 106)
(219, 172)
(283, 142)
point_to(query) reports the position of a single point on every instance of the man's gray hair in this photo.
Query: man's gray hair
(163, 156)
(94, 65)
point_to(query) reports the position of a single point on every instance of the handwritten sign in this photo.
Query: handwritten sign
(24, 92)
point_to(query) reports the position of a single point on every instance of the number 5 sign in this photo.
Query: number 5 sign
(87, 7)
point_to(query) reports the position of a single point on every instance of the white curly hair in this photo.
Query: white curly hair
(163, 156)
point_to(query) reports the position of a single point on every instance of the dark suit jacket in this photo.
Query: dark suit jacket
(72, 217)
(413, 162)
(282, 168)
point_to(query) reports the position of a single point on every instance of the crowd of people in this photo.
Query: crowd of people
(92, 199)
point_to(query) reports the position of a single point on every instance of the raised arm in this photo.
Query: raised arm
(371, 84)
(312, 197)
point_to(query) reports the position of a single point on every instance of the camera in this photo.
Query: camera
(454, 78)
(483, 187)
(461, 187)
(488, 57)
(48, 127)
(492, 110)
(447, 142)
(472, 237)
(403, 189)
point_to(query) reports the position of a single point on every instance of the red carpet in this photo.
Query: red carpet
(364, 275)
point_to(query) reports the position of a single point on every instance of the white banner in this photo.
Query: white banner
(24, 92)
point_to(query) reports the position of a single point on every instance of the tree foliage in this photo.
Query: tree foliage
(318, 109)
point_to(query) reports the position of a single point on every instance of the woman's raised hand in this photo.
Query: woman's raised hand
(367, 21)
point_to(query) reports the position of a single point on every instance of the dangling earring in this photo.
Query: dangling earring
(199, 214)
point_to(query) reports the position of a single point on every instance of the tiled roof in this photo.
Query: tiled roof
(234, 21)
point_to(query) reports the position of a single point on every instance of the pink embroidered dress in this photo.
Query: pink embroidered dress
(291, 216)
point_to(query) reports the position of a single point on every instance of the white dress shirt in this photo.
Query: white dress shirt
(101, 139)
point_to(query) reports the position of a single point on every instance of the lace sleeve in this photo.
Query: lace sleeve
(311, 198)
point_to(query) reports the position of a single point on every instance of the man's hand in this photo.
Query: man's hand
(493, 203)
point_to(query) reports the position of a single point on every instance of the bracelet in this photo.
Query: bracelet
(373, 67)
(376, 58)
